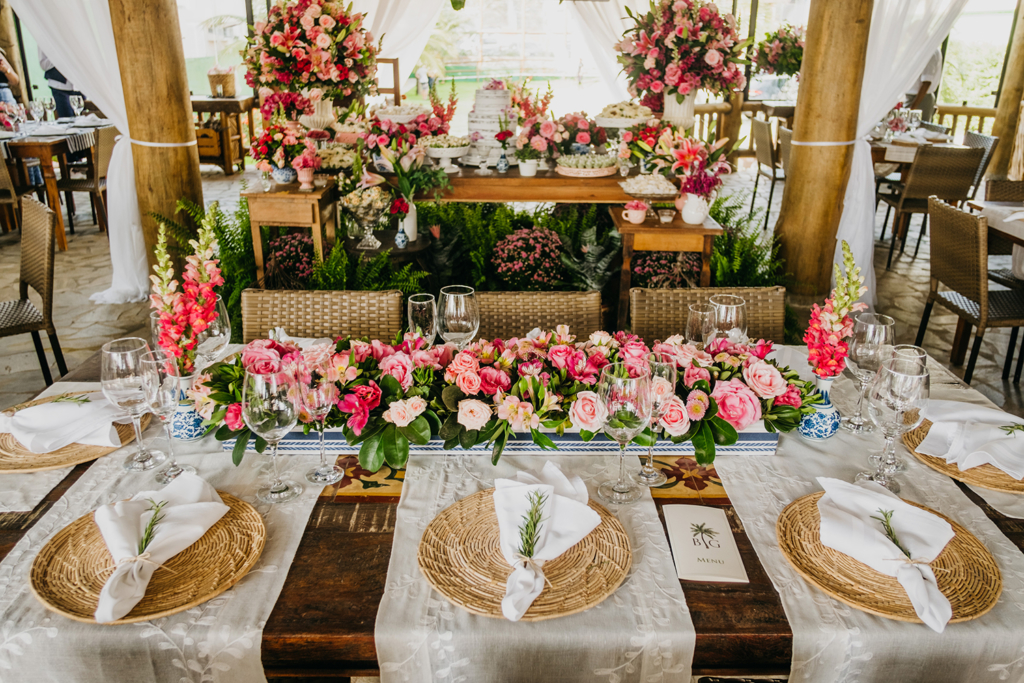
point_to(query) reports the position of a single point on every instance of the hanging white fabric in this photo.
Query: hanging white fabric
(406, 26)
(602, 24)
(904, 34)
(79, 39)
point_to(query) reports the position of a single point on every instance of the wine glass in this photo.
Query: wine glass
(628, 402)
(730, 317)
(423, 317)
(160, 382)
(918, 358)
(121, 377)
(212, 341)
(872, 342)
(35, 107)
(266, 182)
(49, 105)
(895, 400)
(460, 315)
(77, 103)
(268, 411)
(663, 387)
(700, 324)
(318, 397)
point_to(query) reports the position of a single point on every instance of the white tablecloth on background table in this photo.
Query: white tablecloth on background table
(997, 216)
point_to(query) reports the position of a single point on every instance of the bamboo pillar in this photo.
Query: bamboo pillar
(9, 42)
(826, 111)
(152, 62)
(1008, 113)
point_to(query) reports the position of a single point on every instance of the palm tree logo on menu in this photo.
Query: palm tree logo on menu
(702, 533)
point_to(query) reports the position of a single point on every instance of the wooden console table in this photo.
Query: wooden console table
(233, 145)
(546, 186)
(653, 235)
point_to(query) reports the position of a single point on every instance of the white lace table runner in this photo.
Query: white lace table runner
(834, 642)
(642, 632)
(215, 642)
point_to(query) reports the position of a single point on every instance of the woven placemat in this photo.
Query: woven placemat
(985, 476)
(69, 572)
(966, 572)
(15, 458)
(461, 558)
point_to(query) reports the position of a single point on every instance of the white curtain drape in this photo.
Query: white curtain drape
(602, 24)
(406, 26)
(904, 34)
(79, 39)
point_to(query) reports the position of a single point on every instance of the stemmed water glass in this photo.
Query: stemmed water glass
(160, 382)
(895, 401)
(730, 317)
(700, 324)
(459, 318)
(77, 103)
(663, 387)
(318, 397)
(49, 105)
(423, 317)
(215, 338)
(268, 410)
(35, 107)
(628, 402)
(121, 377)
(918, 357)
(872, 342)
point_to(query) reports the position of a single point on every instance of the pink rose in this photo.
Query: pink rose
(469, 382)
(463, 361)
(233, 418)
(323, 41)
(445, 353)
(674, 419)
(633, 350)
(425, 359)
(637, 368)
(657, 86)
(737, 404)
(539, 143)
(360, 349)
(400, 367)
(583, 138)
(547, 129)
(661, 388)
(261, 357)
(380, 351)
(560, 356)
(473, 414)
(327, 21)
(307, 22)
(694, 373)
(417, 404)
(493, 380)
(713, 58)
(369, 394)
(588, 411)
(764, 379)
(318, 356)
(790, 397)
(398, 412)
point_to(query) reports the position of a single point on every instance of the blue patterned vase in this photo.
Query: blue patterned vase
(502, 164)
(579, 148)
(187, 423)
(401, 240)
(285, 175)
(823, 423)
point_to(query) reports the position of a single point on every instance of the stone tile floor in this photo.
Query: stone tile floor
(84, 269)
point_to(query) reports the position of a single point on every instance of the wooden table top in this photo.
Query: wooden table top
(546, 186)
(292, 193)
(654, 225)
(227, 105)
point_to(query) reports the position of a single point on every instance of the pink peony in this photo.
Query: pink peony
(400, 367)
(674, 419)
(261, 357)
(764, 379)
(233, 418)
(790, 397)
(493, 380)
(469, 382)
(473, 414)
(737, 404)
(369, 394)
(560, 356)
(588, 411)
(694, 373)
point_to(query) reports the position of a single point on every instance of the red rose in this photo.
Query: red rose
(399, 206)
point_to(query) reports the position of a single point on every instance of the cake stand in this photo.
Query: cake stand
(446, 155)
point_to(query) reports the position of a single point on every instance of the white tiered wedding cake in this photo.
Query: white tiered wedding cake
(488, 108)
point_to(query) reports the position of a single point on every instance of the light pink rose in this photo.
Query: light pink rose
(318, 356)
(424, 358)
(327, 21)
(547, 129)
(560, 356)
(307, 22)
(737, 404)
(764, 379)
(695, 373)
(399, 413)
(323, 41)
(713, 58)
(400, 367)
(261, 358)
(588, 411)
(462, 362)
(633, 351)
(674, 419)
(416, 404)
(473, 414)
(661, 388)
(469, 382)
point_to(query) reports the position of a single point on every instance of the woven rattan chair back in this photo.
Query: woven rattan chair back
(512, 314)
(37, 253)
(935, 127)
(959, 257)
(301, 313)
(106, 138)
(945, 172)
(785, 147)
(661, 313)
(8, 194)
(1003, 190)
(764, 148)
(985, 142)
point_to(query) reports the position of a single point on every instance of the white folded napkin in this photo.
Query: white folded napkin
(193, 506)
(48, 129)
(91, 118)
(969, 436)
(1016, 216)
(847, 526)
(48, 426)
(302, 342)
(566, 520)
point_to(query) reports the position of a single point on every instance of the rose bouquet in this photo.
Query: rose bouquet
(308, 159)
(679, 47)
(285, 105)
(312, 44)
(276, 147)
(640, 140)
(537, 134)
(782, 51)
(577, 129)
(382, 133)
(831, 325)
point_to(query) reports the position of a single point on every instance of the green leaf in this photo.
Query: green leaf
(487, 433)
(221, 397)
(723, 432)
(499, 446)
(434, 421)
(543, 441)
(704, 445)
(396, 447)
(242, 440)
(371, 453)
(587, 436)
(468, 438)
(450, 444)
(417, 431)
(451, 396)
(261, 444)
(646, 438)
(451, 428)
(389, 387)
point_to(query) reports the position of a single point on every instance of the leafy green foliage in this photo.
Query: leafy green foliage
(332, 274)
(743, 256)
(379, 273)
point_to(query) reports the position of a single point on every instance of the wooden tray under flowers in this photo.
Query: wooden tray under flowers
(586, 172)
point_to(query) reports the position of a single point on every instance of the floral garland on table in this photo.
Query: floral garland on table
(831, 325)
(276, 147)
(781, 52)
(679, 47)
(312, 44)
(185, 314)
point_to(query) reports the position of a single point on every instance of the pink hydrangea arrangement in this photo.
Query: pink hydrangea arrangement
(529, 259)
(679, 47)
(782, 51)
(831, 325)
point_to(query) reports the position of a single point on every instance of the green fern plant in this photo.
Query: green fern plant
(332, 273)
(742, 256)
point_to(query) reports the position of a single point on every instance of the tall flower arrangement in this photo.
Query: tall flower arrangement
(312, 44)
(782, 51)
(186, 313)
(678, 47)
(277, 147)
(831, 325)
(530, 103)
(577, 128)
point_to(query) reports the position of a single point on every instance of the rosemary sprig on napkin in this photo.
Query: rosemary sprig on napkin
(71, 398)
(1011, 428)
(886, 520)
(530, 528)
(147, 535)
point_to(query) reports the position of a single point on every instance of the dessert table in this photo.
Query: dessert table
(546, 186)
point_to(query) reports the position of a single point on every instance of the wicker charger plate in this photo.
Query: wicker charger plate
(460, 556)
(69, 572)
(16, 459)
(966, 572)
(985, 476)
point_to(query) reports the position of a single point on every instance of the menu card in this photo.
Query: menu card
(703, 545)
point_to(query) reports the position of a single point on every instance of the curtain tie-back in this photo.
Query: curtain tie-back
(163, 144)
(801, 143)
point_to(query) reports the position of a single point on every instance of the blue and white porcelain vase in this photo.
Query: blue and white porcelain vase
(502, 164)
(579, 148)
(401, 240)
(284, 175)
(187, 423)
(823, 423)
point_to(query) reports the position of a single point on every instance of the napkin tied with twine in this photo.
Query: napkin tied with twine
(970, 436)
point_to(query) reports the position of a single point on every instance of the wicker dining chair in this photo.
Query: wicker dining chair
(785, 147)
(935, 127)
(1002, 190)
(21, 316)
(945, 172)
(512, 314)
(10, 199)
(661, 313)
(95, 184)
(769, 164)
(987, 143)
(316, 314)
(959, 260)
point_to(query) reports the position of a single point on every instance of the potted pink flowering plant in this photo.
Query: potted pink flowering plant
(305, 164)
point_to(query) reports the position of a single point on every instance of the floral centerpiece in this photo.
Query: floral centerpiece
(285, 106)
(382, 133)
(529, 104)
(412, 176)
(312, 44)
(575, 133)
(276, 147)
(537, 134)
(782, 51)
(337, 157)
(677, 48)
